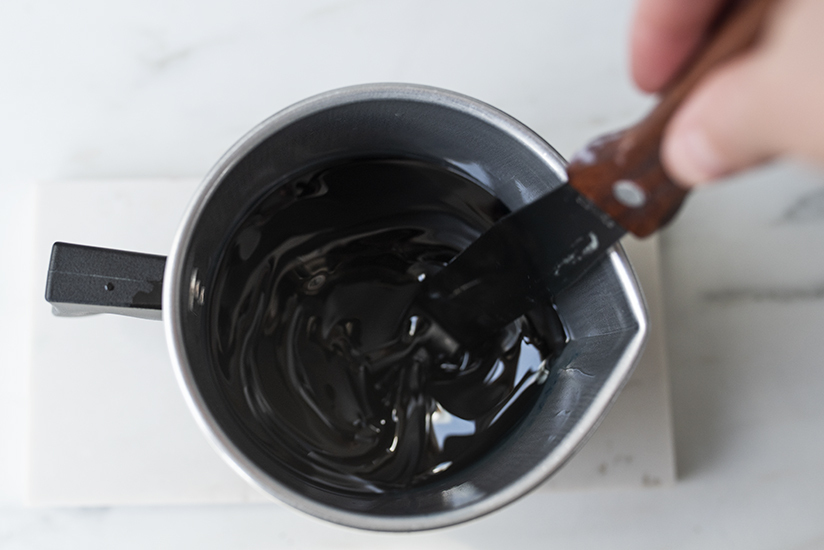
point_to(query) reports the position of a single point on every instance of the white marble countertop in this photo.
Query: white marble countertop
(162, 88)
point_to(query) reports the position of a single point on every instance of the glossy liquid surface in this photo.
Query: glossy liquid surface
(322, 351)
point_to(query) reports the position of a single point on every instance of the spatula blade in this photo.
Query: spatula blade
(525, 257)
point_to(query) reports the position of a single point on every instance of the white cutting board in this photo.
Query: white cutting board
(108, 425)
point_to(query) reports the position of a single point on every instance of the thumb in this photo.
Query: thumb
(727, 123)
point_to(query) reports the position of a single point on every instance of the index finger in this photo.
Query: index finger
(664, 34)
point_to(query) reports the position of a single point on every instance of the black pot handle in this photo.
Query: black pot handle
(84, 280)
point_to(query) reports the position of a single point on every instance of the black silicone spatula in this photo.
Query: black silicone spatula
(616, 184)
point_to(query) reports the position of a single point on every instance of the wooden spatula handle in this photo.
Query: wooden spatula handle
(621, 173)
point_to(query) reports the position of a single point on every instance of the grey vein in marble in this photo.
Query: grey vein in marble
(781, 295)
(807, 208)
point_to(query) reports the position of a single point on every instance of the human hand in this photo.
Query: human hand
(765, 103)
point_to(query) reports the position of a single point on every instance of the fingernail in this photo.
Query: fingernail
(692, 159)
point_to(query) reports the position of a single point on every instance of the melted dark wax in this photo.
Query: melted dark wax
(322, 350)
